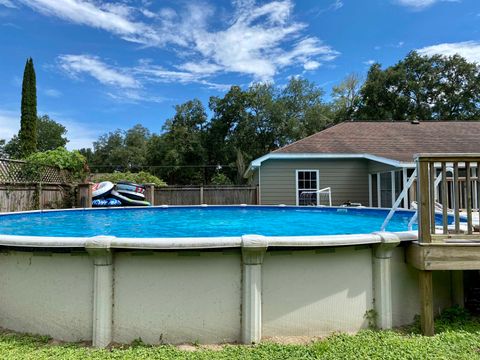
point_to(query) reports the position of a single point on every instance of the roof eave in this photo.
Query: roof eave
(255, 164)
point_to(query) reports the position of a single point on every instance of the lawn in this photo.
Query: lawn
(457, 338)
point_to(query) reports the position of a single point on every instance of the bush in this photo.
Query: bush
(142, 177)
(220, 179)
(60, 158)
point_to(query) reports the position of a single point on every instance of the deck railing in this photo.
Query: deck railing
(459, 193)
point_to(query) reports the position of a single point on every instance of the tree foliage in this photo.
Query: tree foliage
(28, 123)
(50, 136)
(246, 123)
(141, 177)
(60, 158)
(346, 97)
(424, 88)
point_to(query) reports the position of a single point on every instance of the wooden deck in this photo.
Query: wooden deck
(449, 246)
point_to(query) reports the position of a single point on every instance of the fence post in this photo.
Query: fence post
(257, 193)
(201, 195)
(150, 193)
(38, 196)
(85, 195)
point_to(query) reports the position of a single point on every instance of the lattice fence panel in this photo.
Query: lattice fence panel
(16, 171)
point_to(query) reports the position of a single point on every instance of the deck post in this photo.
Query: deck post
(457, 288)
(253, 251)
(382, 279)
(426, 302)
(99, 248)
(85, 195)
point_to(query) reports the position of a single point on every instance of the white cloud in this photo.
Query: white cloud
(470, 50)
(75, 65)
(421, 4)
(9, 123)
(127, 84)
(311, 65)
(52, 93)
(80, 135)
(258, 40)
(115, 18)
(369, 62)
(8, 4)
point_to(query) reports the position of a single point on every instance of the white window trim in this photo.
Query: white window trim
(296, 184)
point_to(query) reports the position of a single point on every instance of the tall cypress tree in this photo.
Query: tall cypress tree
(28, 122)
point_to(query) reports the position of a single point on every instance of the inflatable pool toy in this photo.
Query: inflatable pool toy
(102, 189)
(132, 195)
(127, 201)
(130, 186)
(106, 202)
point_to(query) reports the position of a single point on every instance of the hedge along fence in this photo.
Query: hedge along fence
(21, 191)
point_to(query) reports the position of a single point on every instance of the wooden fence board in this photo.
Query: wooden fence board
(231, 195)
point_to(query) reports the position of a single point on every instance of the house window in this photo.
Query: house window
(307, 187)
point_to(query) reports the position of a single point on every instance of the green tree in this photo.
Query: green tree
(28, 122)
(346, 98)
(304, 111)
(120, 150)
(50, 134)
(180, 149)
(424, 88)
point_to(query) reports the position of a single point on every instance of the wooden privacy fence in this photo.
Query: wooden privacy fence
(211, 195)
(25, 188)
(34, 196)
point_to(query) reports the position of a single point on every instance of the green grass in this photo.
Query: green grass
(458, 337)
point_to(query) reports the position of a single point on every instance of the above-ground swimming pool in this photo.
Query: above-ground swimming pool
(197, 221)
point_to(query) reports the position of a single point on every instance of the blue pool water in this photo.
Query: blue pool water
(202, 222)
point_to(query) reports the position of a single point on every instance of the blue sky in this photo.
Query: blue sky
(103, 65)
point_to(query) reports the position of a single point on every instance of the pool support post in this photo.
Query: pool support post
(382, 278)
(254, 248)
(99, 248)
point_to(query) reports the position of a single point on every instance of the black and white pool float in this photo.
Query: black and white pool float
(127, 201)
(102, 189)
(132, 194)
(130, 186)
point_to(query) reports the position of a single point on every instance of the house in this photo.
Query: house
(364, 162)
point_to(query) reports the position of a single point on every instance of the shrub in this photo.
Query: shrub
(60, 158)
(142, 177)
(220, 179)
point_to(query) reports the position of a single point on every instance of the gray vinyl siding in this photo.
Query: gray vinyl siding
(347, 178)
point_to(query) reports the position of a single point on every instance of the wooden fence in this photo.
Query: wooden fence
(34, 196)
(25, 188)
(211, 195)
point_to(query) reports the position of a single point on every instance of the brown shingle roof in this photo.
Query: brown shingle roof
(393, 140)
